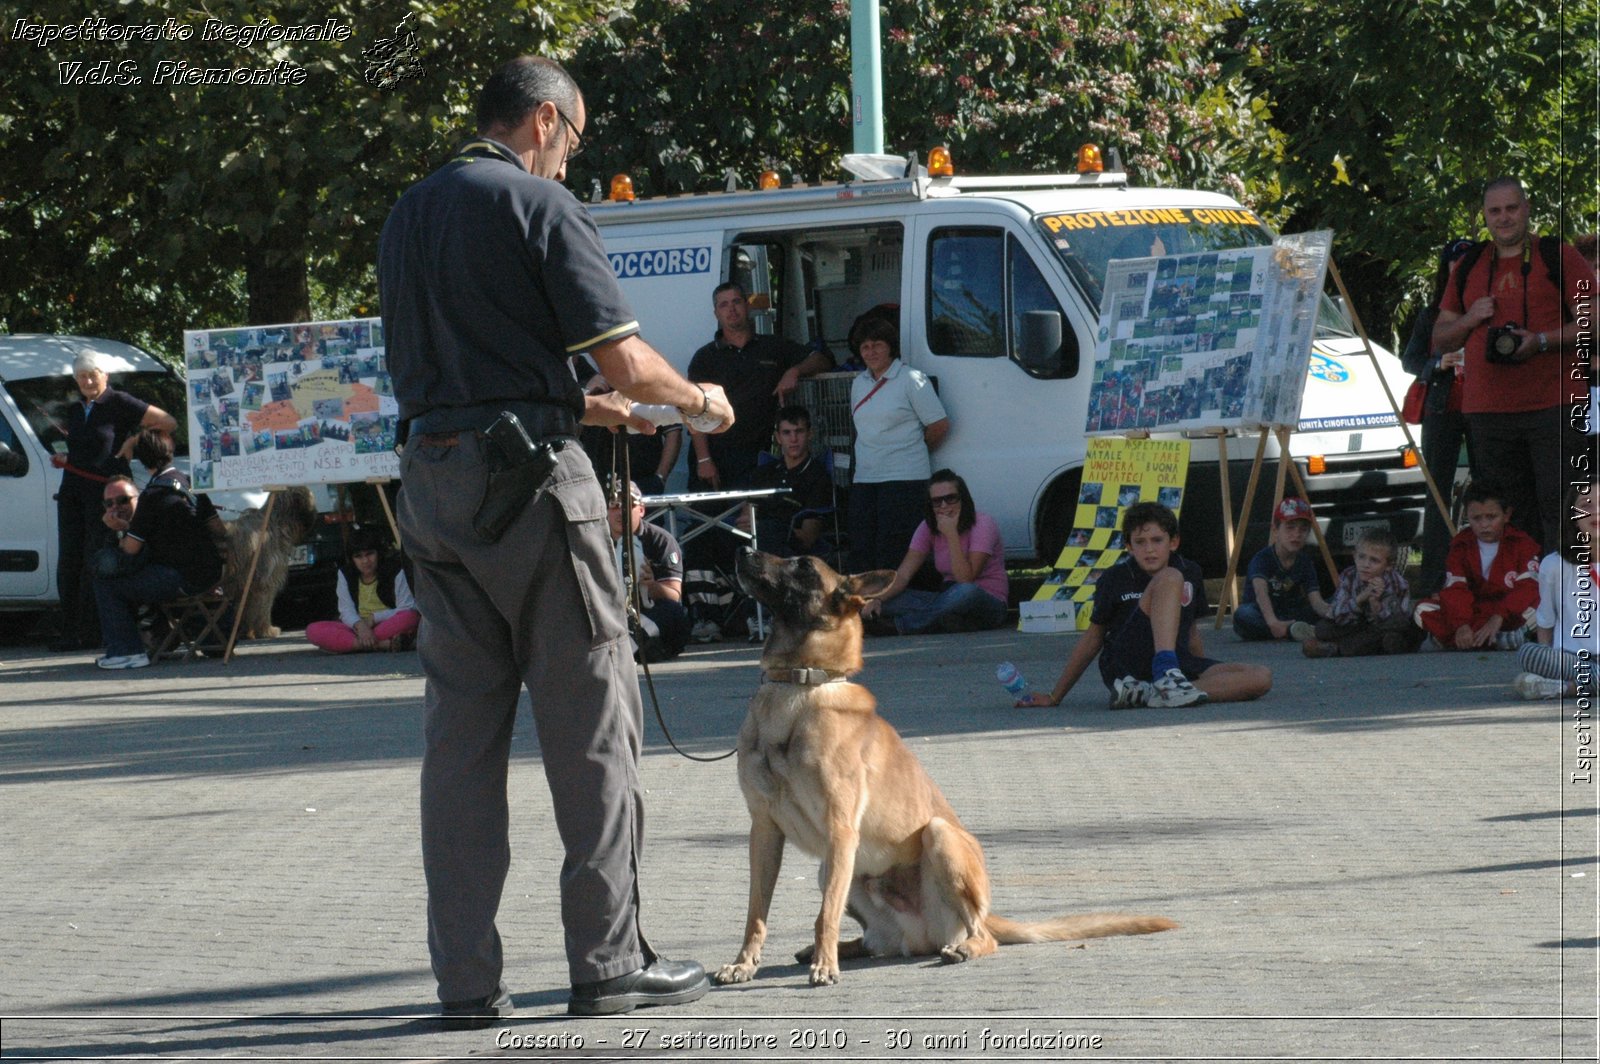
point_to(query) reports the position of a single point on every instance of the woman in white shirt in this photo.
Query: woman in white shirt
(899, 421)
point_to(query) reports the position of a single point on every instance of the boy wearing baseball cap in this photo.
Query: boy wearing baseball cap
(1285, 599)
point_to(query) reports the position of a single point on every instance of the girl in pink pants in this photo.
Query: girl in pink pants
(376, 610)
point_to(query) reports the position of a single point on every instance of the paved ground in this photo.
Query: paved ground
(1382, 859)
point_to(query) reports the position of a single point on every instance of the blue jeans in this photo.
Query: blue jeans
(120, 597)
(883, 517)
(917, 611)
(1249, 624)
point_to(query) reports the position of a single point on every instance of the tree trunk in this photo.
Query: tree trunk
(275, 279)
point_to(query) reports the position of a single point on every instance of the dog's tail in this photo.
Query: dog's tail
(1066, 928)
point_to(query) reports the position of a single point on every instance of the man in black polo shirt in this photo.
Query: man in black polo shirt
(758, 372)
(164, 551)
(491, 275)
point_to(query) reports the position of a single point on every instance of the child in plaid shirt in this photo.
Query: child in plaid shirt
(1371, 609)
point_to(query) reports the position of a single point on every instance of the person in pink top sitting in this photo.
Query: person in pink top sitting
(376, 610)
(967, 552)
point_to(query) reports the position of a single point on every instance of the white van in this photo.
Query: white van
(36, 389)
(969, 261)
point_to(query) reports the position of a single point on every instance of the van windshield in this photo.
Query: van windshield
(1086, 240)
(46, 402)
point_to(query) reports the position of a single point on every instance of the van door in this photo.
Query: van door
(27, 520)
(1013, 431)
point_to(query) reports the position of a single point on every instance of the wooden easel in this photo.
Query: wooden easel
(388, 512)
(1229, 599)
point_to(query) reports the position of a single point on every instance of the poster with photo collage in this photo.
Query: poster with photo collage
(283, 405)
(1212, 339)
(1116, 474)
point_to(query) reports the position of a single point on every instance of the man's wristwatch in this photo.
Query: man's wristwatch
(1544, 343)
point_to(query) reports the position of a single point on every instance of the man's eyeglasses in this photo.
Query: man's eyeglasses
(120, 500)
(575, 145)
(944, 500)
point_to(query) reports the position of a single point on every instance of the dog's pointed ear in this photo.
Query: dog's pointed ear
(864, 586)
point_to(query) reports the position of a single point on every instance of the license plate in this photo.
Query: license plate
(1353, 530)
(304, 554)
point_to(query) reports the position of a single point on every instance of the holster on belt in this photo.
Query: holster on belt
(519, 470)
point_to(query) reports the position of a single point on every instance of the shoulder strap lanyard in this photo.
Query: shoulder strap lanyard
(881, 382)
(485, 149)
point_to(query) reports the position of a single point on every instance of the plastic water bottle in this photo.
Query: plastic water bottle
(1011, 679)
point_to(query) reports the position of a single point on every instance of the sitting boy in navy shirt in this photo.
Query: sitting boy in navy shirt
(1144, 612)
(1285, 598)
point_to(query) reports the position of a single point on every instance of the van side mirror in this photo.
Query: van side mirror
(1043, 349)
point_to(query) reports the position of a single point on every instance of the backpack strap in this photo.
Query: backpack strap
(1464, 265)
(1549, 254)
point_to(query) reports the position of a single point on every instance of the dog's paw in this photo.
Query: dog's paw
(804, 956)
(733, 973)
(824, 974)
(955, 954)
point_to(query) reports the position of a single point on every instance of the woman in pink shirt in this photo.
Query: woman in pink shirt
(967, 552)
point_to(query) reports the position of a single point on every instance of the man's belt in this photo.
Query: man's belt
(541, 420)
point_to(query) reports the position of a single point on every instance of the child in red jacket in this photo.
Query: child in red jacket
(1491, 583)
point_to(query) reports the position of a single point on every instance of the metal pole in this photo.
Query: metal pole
(866, 78)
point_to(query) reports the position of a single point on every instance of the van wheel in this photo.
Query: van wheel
(1055, 517)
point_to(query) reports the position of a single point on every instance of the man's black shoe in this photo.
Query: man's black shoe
(476, 1015)
(662, 983)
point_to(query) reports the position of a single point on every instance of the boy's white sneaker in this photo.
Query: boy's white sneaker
(1130, 693)
(124, 661)
(1300, 631)
(1536, 688)
(1173, 690)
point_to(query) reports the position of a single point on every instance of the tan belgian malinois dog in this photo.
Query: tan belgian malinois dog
(820, 768)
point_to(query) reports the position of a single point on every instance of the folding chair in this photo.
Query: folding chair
(195, 623)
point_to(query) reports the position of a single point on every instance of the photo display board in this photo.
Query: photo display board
(282, 405)
(1216, 339)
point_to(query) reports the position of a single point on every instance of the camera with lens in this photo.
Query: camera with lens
(1501, 345)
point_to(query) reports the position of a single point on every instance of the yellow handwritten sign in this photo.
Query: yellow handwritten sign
(1116, 474)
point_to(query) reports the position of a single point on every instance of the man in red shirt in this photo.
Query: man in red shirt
(1517, 406)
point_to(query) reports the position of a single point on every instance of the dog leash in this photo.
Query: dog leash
(633, 594)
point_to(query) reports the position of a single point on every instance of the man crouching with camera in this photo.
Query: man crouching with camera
(1512, 303)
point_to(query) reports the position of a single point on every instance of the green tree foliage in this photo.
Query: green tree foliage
(681, 91)
(1394, 116)
(139, 209)
(136, 210)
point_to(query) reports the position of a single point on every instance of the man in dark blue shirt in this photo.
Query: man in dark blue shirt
(758, 372)
(491, 275)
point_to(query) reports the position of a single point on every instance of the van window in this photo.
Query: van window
(981, 282)
(13, 456)
(819, 280)
(966, 302)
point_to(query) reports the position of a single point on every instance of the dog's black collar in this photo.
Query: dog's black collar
(806, 677)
